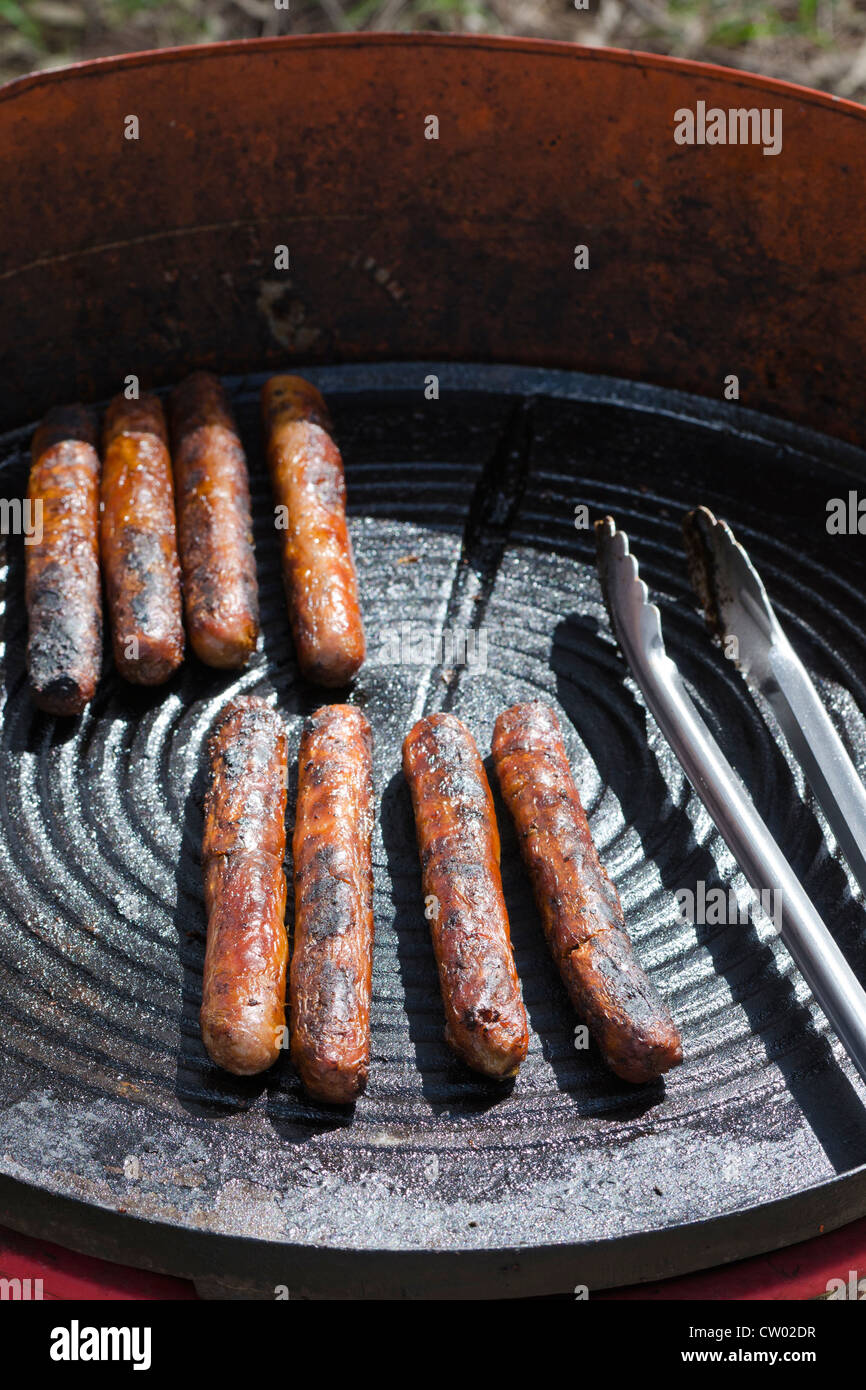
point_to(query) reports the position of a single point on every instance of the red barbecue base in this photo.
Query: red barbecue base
(793, 1274)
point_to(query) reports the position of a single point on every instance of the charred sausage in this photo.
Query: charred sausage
(244, 986)
(214, 524)
(318, 566)
(458, 842)
(62, 592)
(579, 905)
(332, 954)
(139, 548)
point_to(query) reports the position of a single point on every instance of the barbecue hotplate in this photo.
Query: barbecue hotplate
(118, 1136)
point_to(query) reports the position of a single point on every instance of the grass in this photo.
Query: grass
(734, 26)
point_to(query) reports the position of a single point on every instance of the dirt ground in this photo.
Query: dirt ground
(821, 43)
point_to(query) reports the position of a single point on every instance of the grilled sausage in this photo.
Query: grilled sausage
(244, 986)
(214, 524)
(318, 567)
(64, 604)
(139, 550)
(332, 955)
(458, 842)
(579, 905)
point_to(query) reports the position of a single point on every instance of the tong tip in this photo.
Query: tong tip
(698, 527)
(721, 573)
(636, 621)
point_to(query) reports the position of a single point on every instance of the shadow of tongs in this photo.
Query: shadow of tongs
(637, 624)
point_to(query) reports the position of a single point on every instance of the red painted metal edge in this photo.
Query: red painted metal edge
(797, 1273)
(40, 1270)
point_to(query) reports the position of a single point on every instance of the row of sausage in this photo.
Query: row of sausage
(244, 986)
(165, 516)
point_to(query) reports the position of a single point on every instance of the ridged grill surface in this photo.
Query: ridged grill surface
(462, 513)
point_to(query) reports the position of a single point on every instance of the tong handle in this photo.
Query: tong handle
(821, 752)
(810, 944)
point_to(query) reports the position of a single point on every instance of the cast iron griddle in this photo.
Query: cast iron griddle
(117, 1134)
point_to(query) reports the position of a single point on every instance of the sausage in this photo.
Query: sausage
(139, 550)
(62, 590)
(244, 844)
(318, 566)
(214, 524)
(579, 905)
(332, 955)
(458, 841)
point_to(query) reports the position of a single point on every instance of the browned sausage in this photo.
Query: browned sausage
(318, 567)
(579, 905)
(64, 603)
(332, 955)
(139, 548)
(244, 986)
(458, 840)
(214, 524)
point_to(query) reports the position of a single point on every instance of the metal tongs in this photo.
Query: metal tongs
(737, 605)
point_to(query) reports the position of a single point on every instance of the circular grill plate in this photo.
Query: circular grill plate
(462, 514)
